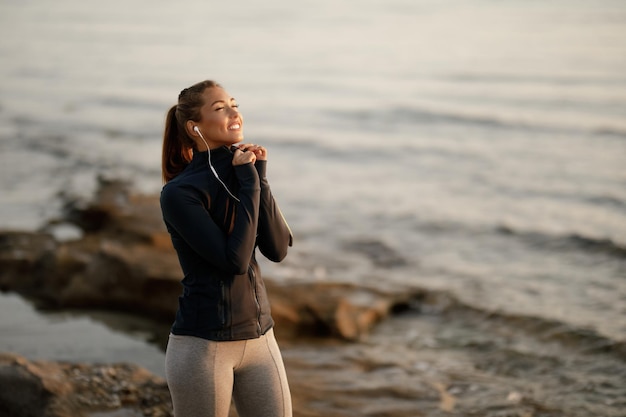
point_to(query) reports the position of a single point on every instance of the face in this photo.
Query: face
(220, 123)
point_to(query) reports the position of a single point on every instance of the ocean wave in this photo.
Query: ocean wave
(398, 116)
(607, 201)
(538, 239)
(377, 119)
(445, 303)
(566, 242)
(132, 103)
(378, 252)
(422, 116)
(536, 79)
(611, 132)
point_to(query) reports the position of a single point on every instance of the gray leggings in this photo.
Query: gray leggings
(203, 376)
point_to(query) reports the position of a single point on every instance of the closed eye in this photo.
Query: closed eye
(234, 106)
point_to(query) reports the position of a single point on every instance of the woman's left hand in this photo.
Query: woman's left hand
(259, 151)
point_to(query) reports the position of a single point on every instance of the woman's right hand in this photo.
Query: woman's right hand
(241, 158)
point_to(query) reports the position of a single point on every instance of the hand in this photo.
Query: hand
(241, 157)
(258, 150)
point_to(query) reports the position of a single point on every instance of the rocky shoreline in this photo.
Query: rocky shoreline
(61, 389)
(120, 258)
(434, 356)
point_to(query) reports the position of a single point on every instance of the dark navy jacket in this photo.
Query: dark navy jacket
(215, 236)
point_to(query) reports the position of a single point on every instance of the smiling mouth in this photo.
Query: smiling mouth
(235, 126)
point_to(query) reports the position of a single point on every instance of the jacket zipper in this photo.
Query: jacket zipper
(223, 304)
(252, 276)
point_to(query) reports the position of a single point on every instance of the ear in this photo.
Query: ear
(189, 127)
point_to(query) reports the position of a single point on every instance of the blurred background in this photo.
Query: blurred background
(482, 142)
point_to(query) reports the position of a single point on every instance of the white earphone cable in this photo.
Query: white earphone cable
(211, 165)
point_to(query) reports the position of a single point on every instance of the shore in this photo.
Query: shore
(349, 350)
(406, 367)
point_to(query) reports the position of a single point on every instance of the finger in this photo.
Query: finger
(250, 157)
(259, 148)
(254, 148)
(261, 153)
(241, 158)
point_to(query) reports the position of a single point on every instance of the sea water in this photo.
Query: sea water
(482, 143)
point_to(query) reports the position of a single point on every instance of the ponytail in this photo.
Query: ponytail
(175, 155)
(177, 144)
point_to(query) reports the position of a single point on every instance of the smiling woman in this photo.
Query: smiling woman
(483, 142)
(220, 119)
(218, 208)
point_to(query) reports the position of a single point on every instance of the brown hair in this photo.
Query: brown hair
(177, 144)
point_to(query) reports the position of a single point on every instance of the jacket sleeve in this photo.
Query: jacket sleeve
(184, 212)
(274, 235)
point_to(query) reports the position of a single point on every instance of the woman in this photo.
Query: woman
(218, 207)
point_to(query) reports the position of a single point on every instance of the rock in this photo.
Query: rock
(19, 253)
(51, 389)
(125, 261)
(339, 310)
(96, 271)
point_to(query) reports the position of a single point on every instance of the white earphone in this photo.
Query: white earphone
(197, 130)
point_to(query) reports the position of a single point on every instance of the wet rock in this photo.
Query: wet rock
(331, 309)
(124, 260)
(51, 389)
(96, 271)
(19, 253)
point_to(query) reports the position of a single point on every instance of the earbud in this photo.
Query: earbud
(208, 153)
